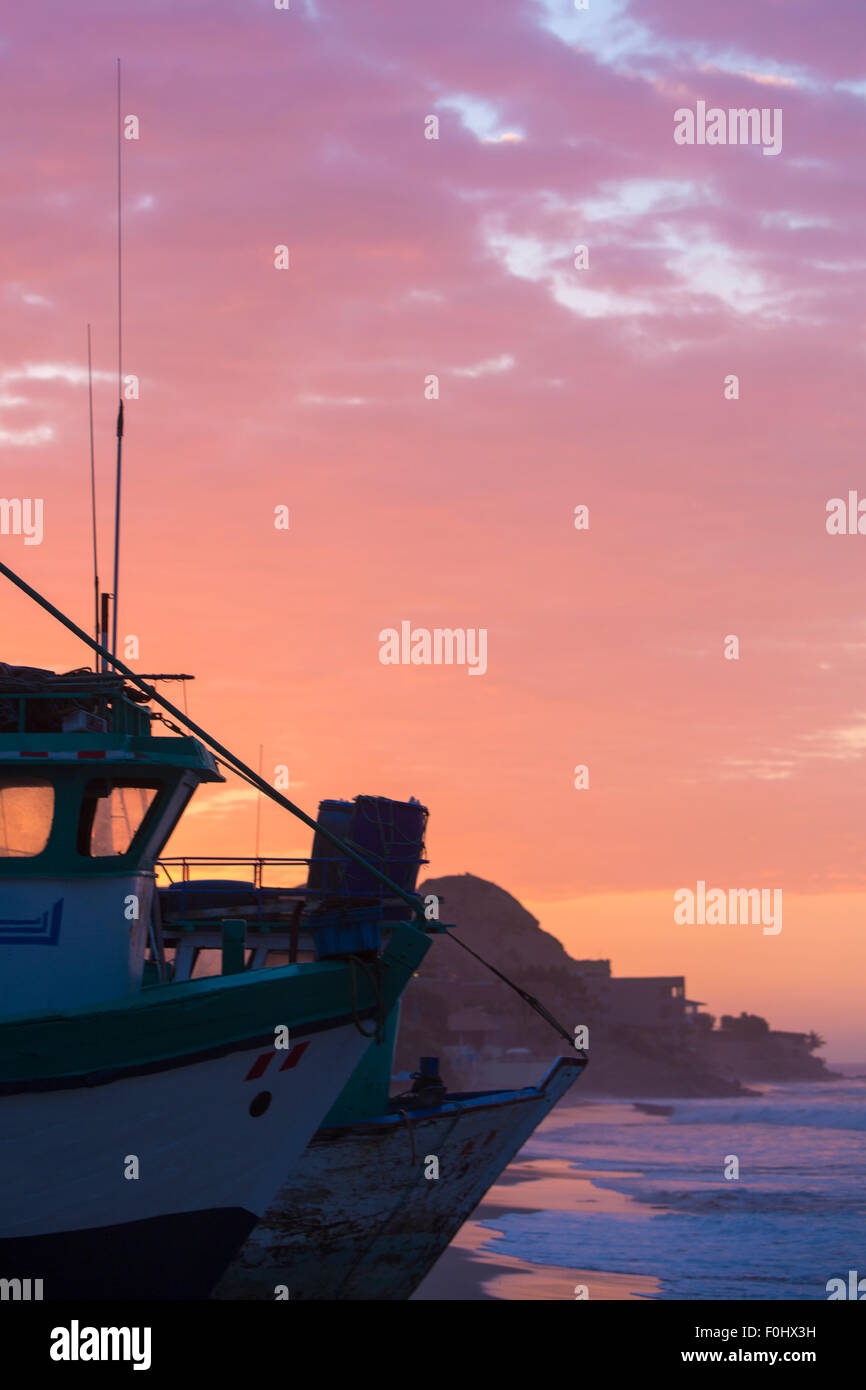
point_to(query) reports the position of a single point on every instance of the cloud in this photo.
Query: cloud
(624, 199)
(528, 258)
(769, 79)
(20, 293)
(423, 297)
(793, 221)
(52, 371)
(758, 769)
(24, 439)
(223, 801)
(840, 744)
(615, 39)
(704, 265)
(833, 745)
(309, 398)
(37, 435)
(491, 366)
(674, 261)
(481, 118)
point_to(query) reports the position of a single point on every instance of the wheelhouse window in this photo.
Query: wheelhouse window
(112, 813)
(26, 816)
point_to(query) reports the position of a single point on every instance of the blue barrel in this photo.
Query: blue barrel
(324, 876)
(390, 834)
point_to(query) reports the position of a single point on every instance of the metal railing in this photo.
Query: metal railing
(184, 865)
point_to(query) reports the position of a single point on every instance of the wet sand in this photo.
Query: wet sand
(467, 1272)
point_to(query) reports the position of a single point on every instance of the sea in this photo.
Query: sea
(793, 1219)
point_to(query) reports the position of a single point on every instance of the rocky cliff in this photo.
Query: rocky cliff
(486, 1035)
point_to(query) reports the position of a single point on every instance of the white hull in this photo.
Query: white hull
(63, 1153)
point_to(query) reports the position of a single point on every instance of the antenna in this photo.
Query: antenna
(119, 376)
(106, 599)
(93, 491)
(411, 899)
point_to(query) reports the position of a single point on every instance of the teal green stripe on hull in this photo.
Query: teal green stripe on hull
(183, 1021)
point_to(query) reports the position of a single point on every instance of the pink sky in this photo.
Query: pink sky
(557, 387)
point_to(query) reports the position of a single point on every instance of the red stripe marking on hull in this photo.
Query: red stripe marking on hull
(263, 1061)
(259, 1065)
(294, 1056)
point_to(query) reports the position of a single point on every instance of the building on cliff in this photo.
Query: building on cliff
(646, 1037)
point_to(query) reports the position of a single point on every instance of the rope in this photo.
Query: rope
(376, 983)
(408, 1123)
(294, 927)
(529, 999)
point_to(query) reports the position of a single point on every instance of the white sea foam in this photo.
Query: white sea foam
(793, 1219)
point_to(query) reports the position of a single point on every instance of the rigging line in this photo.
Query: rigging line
(119, 373)
(411, 899)
(93, 490)
(176, 728)
(528, 998)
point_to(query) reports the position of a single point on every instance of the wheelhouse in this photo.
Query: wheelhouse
(88, 800)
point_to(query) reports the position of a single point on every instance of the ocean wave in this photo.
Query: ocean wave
(743, 1200)
(825, 1115)
(792, 1221)
(779, 1255)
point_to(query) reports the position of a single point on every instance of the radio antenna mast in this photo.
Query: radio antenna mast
(119, 374)
(93, 490)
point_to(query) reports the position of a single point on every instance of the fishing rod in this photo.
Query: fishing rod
(413, 901)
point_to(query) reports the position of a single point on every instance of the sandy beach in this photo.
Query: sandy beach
(471, 1269)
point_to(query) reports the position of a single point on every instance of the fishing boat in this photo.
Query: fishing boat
(147, 1123)
(371, 1206)
(150, 1118)
(386, 1182)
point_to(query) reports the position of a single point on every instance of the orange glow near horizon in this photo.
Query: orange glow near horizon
(558, 387)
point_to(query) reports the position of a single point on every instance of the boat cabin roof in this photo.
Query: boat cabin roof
(84, 786)
(33, 700)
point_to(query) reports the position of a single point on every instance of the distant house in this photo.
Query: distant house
(747, 1048)
(790, 1044)
(653, 1001)
(596, 982)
